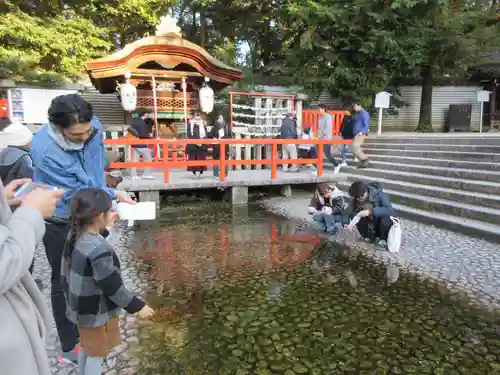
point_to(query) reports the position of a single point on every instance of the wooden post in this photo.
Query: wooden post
(166, 171)
(493, 105)
(184, 91)
(320, 159)
(274, 156)
(222, 162)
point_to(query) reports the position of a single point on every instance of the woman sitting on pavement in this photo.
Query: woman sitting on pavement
(370, 211)
(327, 205)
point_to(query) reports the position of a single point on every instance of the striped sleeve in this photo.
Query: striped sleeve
(109, 278)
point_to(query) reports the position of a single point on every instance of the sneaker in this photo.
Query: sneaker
(136, 178)
(148, 177)
(71, 357)
(343, 164)
(363, 164)
(337, 169)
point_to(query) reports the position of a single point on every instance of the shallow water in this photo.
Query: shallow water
(251, 293)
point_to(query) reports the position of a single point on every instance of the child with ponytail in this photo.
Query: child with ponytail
(92, 280)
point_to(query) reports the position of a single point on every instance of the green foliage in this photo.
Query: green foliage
(47, 51)
(352, 49)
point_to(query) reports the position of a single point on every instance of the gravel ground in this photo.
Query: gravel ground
(464, 263)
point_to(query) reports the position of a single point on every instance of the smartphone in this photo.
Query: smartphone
(28, 187)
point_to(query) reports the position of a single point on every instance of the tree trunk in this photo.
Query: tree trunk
(203, 28)
(425, 117)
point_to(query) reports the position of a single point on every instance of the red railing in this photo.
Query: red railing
(166, 164)
(310, 119)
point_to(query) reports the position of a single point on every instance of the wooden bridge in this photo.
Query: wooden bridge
(260, 172)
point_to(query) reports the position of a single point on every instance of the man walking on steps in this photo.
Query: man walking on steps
(325, 131)
(361, 126)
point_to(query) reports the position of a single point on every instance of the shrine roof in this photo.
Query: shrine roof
(165, 51)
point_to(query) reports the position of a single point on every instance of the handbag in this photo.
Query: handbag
(394, 237)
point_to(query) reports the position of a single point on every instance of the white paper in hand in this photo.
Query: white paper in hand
(355, 220)
(138, 211)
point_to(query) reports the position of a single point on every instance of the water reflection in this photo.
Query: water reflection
(256, 294)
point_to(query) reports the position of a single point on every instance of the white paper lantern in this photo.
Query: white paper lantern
(206, 98)
(128, 94)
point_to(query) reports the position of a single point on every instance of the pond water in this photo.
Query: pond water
(252, 293)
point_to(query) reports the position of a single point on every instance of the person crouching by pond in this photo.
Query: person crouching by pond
(327, 205)
(219, 131)
(373, 208)
(196, 130)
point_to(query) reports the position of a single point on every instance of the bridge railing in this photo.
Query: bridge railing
(168, 163)
(310, 119)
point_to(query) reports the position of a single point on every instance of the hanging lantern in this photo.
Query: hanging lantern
(128, 94)
(206, 97)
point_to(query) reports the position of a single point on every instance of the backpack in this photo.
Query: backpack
(347, 127)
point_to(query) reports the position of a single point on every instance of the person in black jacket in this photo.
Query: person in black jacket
(346, 132)
(219, 131)
(196, 130)
(141, 130)
(288, 131)
(15, 159)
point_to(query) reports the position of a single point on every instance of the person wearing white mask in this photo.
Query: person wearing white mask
(196, 130)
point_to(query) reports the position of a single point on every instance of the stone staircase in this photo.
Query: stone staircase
(450, 180)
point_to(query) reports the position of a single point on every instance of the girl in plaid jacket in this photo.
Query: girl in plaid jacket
(92, 281)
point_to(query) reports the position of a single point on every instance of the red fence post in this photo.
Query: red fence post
(274, 155)
(222, 160)
(165, 163)
(320, 159)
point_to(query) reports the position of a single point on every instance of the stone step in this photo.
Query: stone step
(433, 162)
(437, 154)
(473, 174)
(442, 206)
(478, 199)
(475, 148)
(467, 185)
(448, 139)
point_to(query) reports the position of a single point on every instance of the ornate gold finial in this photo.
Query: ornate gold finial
(168, 25)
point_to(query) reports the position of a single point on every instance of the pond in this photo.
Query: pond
(252, 293)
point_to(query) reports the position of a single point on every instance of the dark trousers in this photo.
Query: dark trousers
(327, 149)
(372, 228)
(54, 239)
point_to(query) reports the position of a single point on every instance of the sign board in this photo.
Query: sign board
(483, 96)
(383, 100)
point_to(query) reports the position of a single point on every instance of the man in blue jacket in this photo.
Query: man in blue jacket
(361, 127)
(68, 153)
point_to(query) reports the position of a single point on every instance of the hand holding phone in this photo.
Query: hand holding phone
(29, 187)
(43, 200)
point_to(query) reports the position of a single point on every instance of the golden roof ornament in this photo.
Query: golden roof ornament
(168, 26)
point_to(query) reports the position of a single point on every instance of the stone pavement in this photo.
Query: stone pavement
(463, 263)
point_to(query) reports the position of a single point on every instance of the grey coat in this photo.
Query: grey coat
(24, 315)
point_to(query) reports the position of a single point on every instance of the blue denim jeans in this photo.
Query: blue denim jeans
(327, 223)
(344, 149)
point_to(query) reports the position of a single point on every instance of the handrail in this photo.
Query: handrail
(274, 161)
(310, 119)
